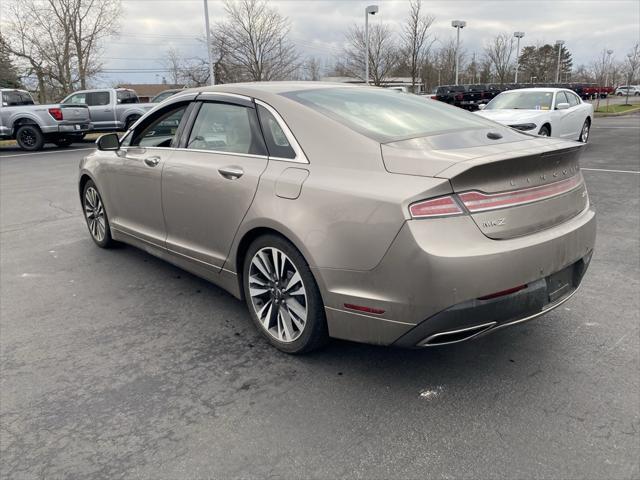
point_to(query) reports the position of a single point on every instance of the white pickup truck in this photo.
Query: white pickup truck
(33, 125)
(111, 108)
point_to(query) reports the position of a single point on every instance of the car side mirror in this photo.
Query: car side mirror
(482, 106)
(108, 142)
(562, 106)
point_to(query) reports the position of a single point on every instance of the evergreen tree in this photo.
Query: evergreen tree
(8, 75)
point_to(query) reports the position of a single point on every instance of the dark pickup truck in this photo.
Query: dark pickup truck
(468, 97)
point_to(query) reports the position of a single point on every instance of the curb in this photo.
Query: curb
(617, 114)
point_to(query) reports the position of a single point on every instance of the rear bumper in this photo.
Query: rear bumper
(444, 265)
(68, 128)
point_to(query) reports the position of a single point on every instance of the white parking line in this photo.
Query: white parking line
(47, 151)
(634, 127)
(610, 171)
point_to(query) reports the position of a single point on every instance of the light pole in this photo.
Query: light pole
(212, 77)
(630, 57)
(370, 10)
(518, 35)
(458, 24)
(607, 67)
(559, 44)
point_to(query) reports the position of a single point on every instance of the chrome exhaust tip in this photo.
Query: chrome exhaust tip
(455, 336)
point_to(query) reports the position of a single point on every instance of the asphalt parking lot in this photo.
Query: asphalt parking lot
(116, 364)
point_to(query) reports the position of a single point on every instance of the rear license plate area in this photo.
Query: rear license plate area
(560, 283)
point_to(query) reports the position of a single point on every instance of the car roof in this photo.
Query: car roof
(252, 88)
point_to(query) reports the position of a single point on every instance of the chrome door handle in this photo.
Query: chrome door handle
(152, 161)
(232, 173)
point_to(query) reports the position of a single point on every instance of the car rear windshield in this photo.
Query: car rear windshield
(387, 116)
(11, 99)
(521, 101)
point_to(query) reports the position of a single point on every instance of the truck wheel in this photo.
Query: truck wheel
(63, 141)
(30, 138)
(130, 121)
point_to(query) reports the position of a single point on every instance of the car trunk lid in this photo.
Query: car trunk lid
(510, 188)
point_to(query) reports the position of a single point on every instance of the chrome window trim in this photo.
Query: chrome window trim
(225, 94)
(300, 156)
(219, 152)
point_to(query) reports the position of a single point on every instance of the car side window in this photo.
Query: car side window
(159, 130)
(78, 99)
(573, 99)
(97, 98)
(277, 142)
(225, 127)
(560, 98)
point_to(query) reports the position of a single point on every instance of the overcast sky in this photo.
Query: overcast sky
(150, 27)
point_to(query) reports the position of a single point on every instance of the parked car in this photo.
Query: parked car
(548, 112)
(631, 90)
(33, 125)
(110, 108)
(460, 95)
(418, 224)
(165, 94)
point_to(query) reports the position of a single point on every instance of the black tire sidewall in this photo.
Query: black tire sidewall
(546, 129)
(315, 333)
(35, 132)
(107, 241)
(582, 130)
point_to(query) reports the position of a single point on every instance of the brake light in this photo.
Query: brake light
(480, 202)
(56, 113)
(435, 207)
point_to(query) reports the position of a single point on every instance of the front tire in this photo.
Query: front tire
(130, 121)
(283, 297)
(30, 138)
(544, 131)
(96, 216)
(584, 133)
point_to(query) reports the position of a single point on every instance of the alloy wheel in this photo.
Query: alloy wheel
(27, 138)
(94, 212)
(278, 294)
(585, 132)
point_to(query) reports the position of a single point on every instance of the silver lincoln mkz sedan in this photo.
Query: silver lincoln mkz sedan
(348, 212)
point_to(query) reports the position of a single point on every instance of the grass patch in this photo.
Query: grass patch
(618, 108)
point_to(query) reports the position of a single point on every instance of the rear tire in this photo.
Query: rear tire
(584, 133)
(30, 138)
(96, 216)
(544, 131)
(283, 297)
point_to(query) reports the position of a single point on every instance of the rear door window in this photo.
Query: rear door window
(573, 99)
(11, 99)
(95, 99)
(224, 127)
(78, 99)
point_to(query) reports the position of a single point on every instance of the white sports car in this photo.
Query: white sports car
(556, 112)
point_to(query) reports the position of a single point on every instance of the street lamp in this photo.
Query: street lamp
(458, 24)
(559, 44)
(607, 67)
(631, 72)
(518, 35)
(212, 77)
(370, 10)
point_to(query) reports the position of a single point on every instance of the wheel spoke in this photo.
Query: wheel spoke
(257, 291)
(294, 279)
(260, 265)
(286, 324)
(264, 315)
(296, 308)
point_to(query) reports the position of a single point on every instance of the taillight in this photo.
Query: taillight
(480, 202)
(435, 207)
(56, 113)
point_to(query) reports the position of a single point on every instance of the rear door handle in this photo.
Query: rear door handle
(231, 172)
(152, 161)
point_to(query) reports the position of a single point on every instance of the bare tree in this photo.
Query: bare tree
(174, 65)
(312, 69)
(252, 43)
(415, 39)
(499, 52)
(59, 41)
(383, 53)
